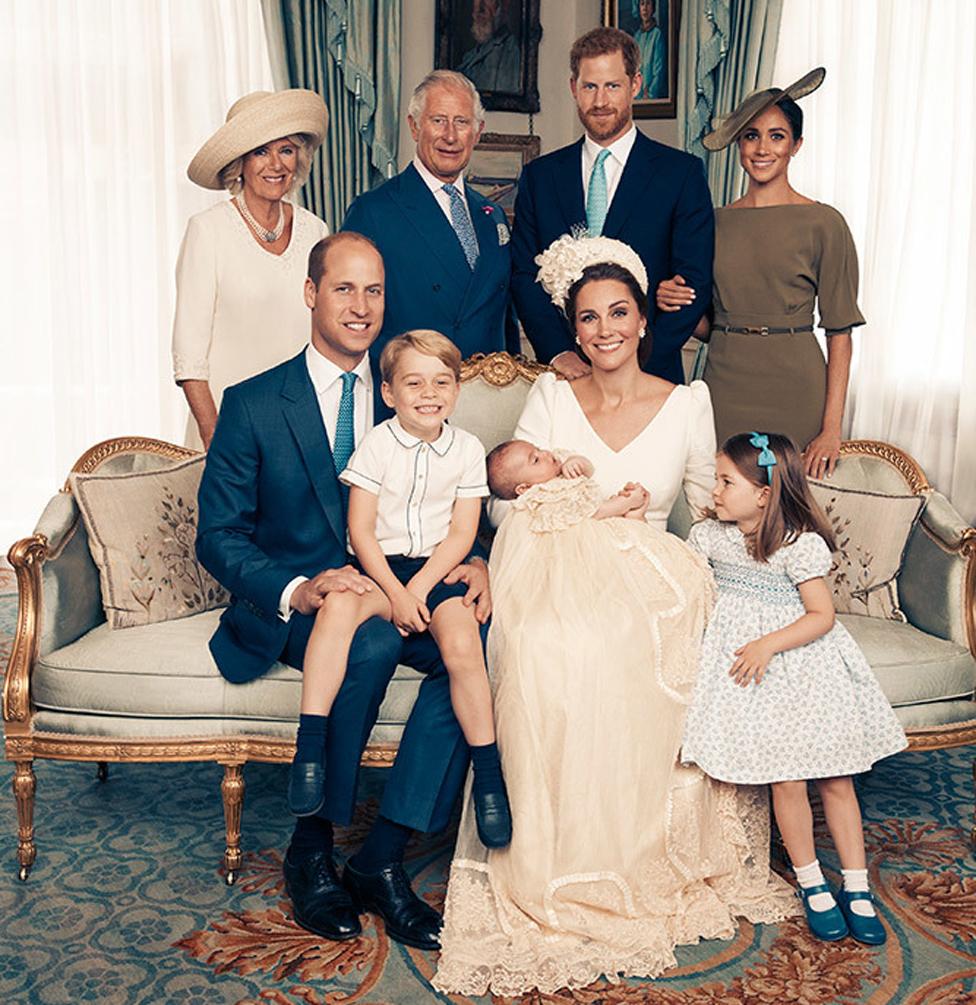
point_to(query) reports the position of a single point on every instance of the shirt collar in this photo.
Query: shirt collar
(440, 446)
(619, 149)
(432, 181)
(325, 373)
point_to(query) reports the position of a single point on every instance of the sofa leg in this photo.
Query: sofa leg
(25, 785)
(101, 772)
(232, 790)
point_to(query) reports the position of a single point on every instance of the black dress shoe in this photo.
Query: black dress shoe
(494, 818)
(319, 901)
(388, 893)
(306, 788)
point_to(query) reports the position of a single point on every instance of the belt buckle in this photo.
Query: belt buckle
(764, 330)
(753, 330)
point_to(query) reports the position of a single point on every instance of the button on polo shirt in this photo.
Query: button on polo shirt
(417, 483)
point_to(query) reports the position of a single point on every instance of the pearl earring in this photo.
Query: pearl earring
(642, 333)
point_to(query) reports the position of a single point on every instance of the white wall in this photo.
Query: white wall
(563, 21)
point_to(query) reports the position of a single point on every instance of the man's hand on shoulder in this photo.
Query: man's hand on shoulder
(308, 596)
(475, 575)
(569, 365)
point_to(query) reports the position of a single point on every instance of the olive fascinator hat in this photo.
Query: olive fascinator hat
(726, 129)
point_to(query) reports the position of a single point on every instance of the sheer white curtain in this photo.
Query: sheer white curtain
(890, 142)
(103, 104)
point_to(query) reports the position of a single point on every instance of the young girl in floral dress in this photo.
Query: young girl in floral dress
(784, 694)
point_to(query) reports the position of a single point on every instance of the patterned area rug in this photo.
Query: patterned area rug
(125, 904)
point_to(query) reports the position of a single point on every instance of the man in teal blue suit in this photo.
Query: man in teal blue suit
(446, 248)
(272, 529)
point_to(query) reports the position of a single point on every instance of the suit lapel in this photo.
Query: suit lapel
(567, 173)
(636, 177)
(486, 230)
(428, 219)
(301, 409)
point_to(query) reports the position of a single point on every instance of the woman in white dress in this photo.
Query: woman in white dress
(618, 852)
(242, 265)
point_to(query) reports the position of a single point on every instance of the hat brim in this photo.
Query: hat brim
(280, 113)
(728, 128)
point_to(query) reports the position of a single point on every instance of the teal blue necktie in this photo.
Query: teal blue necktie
(596, 196)
(462, 225)
(345, 434)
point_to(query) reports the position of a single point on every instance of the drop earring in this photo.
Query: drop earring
(642, 333)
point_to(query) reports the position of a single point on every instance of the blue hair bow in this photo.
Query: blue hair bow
(766, 459)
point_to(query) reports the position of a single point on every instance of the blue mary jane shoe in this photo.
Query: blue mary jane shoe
(829, 925)
(868, 930)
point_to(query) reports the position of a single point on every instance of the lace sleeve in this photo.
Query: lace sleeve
(559, 503)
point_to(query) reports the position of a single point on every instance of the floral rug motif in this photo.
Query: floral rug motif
(126, 904)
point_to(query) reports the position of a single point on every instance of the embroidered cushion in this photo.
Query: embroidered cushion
(872, 530)
(142, 529)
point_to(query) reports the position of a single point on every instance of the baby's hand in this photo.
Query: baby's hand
(751, 662)
(576, 467)
(410, 613)
(618, 505)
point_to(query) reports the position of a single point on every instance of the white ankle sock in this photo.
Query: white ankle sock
(810, 875)
(856, 881)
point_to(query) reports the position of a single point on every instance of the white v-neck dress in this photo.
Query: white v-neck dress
(674, 451)
(618, 853)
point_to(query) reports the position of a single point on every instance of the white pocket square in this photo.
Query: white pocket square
(504, 236)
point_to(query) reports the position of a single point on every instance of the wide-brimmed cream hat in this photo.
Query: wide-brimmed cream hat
(725, 130)
(255, 119)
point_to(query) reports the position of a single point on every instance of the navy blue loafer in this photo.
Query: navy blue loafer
(306, 788)
(866, 929)
(829, 925)
(493, 818)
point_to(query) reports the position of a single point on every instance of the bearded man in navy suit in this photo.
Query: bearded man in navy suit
(272, 530)
(446, 247)
(618, 183)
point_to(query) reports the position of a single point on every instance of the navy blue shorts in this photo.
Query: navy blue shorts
(405, 568)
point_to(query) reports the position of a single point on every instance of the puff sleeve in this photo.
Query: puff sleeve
(699, 476)
(837, 276)
(808, 557)
(701, 537)
(196, 301)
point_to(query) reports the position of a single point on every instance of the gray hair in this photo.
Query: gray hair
(444, 78)
(231, 175)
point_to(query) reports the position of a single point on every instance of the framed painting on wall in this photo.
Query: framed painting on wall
(496, 164)
(495, 44)
(654, 27)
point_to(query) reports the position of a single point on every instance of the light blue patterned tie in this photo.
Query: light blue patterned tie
(596, 196)
(345, 437)
(462, 225)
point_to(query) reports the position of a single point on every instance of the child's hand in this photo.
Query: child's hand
(751, 662)
(410, 613)
(576, 467)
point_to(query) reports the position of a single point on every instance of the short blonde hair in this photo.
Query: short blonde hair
(232, 175)
(424, 340)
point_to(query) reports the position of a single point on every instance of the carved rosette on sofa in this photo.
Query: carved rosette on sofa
(77, 690)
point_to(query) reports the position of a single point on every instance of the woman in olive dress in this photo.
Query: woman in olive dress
(777, 254)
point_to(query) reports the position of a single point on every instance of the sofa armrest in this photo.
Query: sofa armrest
(937, 584)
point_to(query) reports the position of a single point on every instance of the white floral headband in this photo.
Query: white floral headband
(563, 262)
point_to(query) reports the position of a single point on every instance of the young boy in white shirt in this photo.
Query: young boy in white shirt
(416, 486)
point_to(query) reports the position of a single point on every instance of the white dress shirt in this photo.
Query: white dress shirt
(417, 483)
(327, 381)
(437, 188)
(613, 165)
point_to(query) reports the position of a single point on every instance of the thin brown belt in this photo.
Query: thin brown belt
(761, 330)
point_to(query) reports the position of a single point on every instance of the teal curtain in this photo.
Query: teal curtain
(349, 52)
(727, 50)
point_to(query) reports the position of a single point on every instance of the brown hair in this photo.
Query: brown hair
(603, 42)
(424, 340)
(791, 508)
(316, 257)
(501, 480)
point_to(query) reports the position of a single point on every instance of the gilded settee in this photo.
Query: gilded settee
(76, 690)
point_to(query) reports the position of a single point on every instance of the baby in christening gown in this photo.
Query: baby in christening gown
(618, 853)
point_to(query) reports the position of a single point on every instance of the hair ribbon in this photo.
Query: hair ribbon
(766, 459)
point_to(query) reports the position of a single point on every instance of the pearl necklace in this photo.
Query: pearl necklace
(266, 235)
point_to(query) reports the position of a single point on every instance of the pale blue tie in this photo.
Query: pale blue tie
(596, 196)
(345, 435)
(461, 223)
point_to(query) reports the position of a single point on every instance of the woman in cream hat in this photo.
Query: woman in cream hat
(776, 254)
(239, 277)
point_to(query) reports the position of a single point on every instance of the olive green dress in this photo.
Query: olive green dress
(771, 264)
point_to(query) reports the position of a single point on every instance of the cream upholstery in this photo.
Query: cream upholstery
(77, 690)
